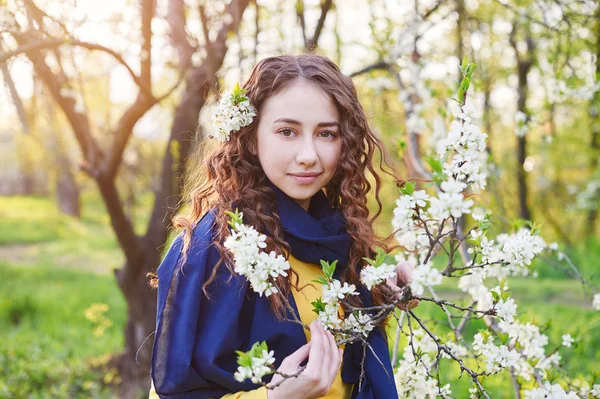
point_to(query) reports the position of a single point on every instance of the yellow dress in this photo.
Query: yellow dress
(303, 298)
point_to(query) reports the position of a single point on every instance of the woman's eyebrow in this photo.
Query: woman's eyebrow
(295, 122)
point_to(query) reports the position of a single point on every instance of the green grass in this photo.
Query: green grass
(54, 268)
(31, 228)
(47, 345)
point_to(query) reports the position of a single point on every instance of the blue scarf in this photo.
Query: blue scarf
(196, 337)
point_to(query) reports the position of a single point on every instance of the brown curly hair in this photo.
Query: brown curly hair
(232, 174)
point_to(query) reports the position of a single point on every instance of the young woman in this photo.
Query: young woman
(298, 174)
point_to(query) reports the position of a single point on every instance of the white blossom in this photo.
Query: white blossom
(334, 291)
(498, 357)
(230, 115)
(450, 202)
(424, 275)
(360, 325)
(549, 390)
(260, 268)
(405, 210)
(465, 147)
(329, 318)
(371, 275)
(507, 309)
(567, 340)
(520, 248)
(261, 366)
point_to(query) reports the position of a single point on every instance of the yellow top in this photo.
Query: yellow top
(303, 298)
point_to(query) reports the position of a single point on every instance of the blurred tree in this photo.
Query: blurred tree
(38, 40)
(524, 63)
(24, 166)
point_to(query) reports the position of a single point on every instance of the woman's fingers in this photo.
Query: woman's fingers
(315, 357)
(404, 272)
(335, 357)
(293, 361)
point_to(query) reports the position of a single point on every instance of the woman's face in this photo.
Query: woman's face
(299, 140)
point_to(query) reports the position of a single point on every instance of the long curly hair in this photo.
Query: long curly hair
(231, 173)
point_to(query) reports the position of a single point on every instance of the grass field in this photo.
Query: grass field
(56, 268)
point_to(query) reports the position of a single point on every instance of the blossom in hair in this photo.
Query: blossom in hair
(233, 112)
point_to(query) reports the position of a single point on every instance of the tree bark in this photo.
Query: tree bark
(594, 112)
(523, 67)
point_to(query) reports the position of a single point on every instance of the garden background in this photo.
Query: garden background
(102, 105)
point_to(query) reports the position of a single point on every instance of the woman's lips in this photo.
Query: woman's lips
(304, 179)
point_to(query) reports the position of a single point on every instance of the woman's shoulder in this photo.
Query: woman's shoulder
(200, 242)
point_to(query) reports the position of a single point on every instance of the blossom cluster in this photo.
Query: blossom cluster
(450, 202)
(327, 307)
(532, 343)
(465, 146)
(555, 391)
(372, 275)
(233, 112)
(255, 364)
(425, 275)
(411, 376)
(497, 357)
(261, 269)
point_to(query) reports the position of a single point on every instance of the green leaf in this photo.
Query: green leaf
(496, 296)
(434, 163)
(318, 306)
(389, 259)
(464, 85)
(379, 259)
(321, 280)
(328, 269)
(408, 189)
(236, 217)
(465, 61)
(503, 338)
(244, 359)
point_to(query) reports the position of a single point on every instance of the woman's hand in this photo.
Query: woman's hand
(324, 361)
(404, 273)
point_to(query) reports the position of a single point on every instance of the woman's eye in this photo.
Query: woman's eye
(286, 132)
(328, 133)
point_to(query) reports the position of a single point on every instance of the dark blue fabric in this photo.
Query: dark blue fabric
(196, 337)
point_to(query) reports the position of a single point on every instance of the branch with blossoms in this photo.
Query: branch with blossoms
(426, 225)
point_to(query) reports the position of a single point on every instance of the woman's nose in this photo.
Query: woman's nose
(307, 152)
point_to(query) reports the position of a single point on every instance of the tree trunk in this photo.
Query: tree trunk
(523, 67)
(67, 193)
(594, 111)
(133, 278)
